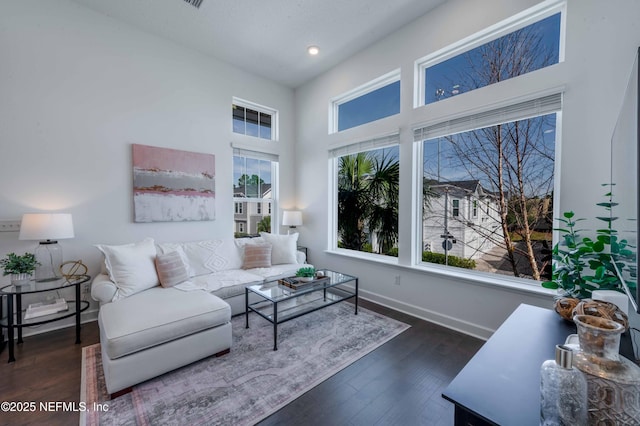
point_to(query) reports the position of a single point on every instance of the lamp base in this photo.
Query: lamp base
(49, 257)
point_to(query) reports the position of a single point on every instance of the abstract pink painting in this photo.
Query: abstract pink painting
(171, 185)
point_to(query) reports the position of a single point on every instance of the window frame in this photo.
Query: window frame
(418, 173)
(509, 25)
(275, 173)
(379, 142)
(371, 86)
(275, 119)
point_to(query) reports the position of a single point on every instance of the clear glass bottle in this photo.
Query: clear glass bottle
(563, 391)
(613, 381)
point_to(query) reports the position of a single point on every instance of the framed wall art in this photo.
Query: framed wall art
(171, 185)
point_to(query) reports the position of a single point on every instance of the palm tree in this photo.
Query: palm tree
(265, 224)
(353, 199)
(368, 190)
(384, 190)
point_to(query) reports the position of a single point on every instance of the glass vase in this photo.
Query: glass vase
(613, 382)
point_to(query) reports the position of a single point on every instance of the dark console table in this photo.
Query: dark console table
(501, 383)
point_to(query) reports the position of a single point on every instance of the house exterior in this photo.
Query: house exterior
(468, 212)
(249, 210)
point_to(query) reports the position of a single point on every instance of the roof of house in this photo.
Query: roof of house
(252, 191)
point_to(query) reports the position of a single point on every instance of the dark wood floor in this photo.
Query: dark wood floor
(397, 384)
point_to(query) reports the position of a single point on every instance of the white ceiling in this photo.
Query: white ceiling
(270, 37)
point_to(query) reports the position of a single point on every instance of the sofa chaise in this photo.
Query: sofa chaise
(163, 306)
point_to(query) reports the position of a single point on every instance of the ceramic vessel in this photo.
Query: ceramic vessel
(20, 279)
(613, 381)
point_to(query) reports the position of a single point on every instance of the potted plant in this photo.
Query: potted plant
(583, 264)
(306, 273)
(19, 267)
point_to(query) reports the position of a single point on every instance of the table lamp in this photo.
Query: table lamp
(292, 218)
(48, 228)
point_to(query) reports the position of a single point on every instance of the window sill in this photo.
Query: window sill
(476, 278)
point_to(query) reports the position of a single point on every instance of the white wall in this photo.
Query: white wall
(601, 43)
(78, 88)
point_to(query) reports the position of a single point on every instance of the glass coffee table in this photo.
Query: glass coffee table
(278, 303)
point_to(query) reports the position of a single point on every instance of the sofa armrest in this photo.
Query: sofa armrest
(103, 289)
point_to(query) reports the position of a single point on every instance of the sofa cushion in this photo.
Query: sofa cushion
(218, 280)
(131, 266)
(171, 269)
(284, 247)
(207, 256)
(257, 256)
(134, 324)
(277, 271)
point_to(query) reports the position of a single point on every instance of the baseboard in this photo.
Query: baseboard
(449, 322)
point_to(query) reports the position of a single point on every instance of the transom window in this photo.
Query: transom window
(254, 120)
(373, 101)
(528, 48)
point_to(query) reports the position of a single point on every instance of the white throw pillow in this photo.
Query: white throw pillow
(284, 247)
(131, 266)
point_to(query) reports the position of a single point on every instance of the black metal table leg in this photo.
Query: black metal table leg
(10, 327)
(275, 326)
(356, 301)
(2, 342)
(19, 316)
(246, 306)
(78, 325)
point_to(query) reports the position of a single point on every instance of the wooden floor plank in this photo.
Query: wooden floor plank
(398, 383)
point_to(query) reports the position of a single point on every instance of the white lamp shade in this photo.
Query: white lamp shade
(46, 226)
(292, 218)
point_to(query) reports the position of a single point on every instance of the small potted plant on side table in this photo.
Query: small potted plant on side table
(19, 267)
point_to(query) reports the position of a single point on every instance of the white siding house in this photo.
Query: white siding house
(469, 214)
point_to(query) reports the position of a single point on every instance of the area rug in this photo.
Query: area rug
(248, 384)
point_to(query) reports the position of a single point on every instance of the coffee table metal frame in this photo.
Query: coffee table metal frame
(279, 303)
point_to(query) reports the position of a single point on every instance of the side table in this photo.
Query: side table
(14, 320)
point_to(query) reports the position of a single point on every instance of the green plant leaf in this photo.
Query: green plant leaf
(568, 214)
(550, 285)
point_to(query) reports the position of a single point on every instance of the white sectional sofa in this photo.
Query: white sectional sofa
(163, 306)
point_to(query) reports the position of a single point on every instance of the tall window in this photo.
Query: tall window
(529, 48)
(375, 100)
(507, 166)
(254, 184)
(501, 160)
(367, 187)
(254, 120)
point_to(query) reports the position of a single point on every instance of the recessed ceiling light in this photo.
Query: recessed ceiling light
(313, 50)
